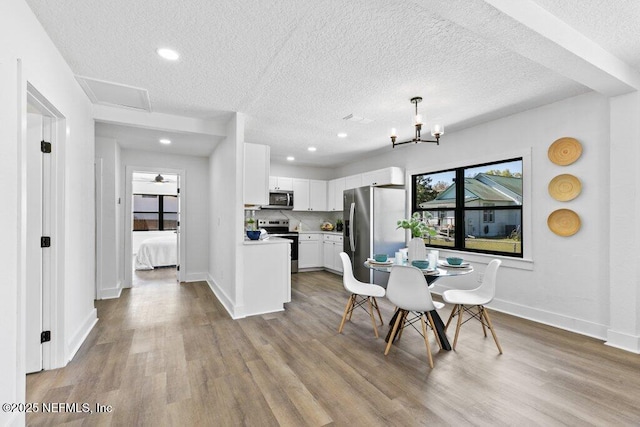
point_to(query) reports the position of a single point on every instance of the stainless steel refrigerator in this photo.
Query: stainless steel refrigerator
(370, 217)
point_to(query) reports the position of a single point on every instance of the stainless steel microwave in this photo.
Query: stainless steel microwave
(280, 199)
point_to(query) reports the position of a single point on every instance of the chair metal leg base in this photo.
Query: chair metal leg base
(353, 303)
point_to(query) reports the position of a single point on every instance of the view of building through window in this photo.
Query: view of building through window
(483, 215)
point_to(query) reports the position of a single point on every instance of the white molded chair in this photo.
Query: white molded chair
(466, 300)
(408, 290)
(360, 294)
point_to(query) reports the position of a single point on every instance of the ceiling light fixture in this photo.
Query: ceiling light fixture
(342, 135)
(436, 130)
(311, 148)
(165, 141)
(291, 158)
(168, 54)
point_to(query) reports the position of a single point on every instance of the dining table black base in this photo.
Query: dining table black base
(437, 321)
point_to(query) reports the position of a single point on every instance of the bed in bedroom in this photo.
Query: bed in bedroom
(157, 252)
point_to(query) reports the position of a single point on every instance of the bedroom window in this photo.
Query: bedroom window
(475, 208)
(155, 212)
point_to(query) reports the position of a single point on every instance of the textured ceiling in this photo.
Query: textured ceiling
(295, 69)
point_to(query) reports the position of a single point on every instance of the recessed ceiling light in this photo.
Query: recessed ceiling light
(169, 54)
(311, 148)
(291, 158)
(165, 141)
(342, 135)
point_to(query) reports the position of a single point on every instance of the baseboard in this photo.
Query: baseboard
(223, 298)
(582, 327)
(82, 333)
(623, 341)
(111, 293)
(16, 419)
(196, 277)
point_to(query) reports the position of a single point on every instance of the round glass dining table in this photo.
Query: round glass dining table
(431, 274)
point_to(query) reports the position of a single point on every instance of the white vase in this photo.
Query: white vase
(417, 249)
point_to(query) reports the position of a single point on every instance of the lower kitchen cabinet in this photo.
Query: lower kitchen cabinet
(310, 250)
(331, 247)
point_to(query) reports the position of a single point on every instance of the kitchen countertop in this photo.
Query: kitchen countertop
(267, 241)
(338, 233)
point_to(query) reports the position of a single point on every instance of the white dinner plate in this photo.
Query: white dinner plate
(373, 261)
(446, 264)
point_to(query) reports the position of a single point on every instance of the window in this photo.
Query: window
(459, 214)
(154, 212)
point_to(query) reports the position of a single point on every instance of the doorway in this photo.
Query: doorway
(153, 225)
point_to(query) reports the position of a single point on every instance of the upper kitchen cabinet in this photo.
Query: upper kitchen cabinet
(335, 188)
(280, 183)
(257, 159)
(386, 176)
(309, 195)
(353, 181)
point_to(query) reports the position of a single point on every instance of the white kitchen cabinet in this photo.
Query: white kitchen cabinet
(386, 176)
(353, 181)
(310, 250)
(331, 248)
(309, 195)
(335, 188)
(256, 174)
(280, 183)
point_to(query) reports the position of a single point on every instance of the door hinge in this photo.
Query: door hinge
(178, 223)
(45, 146)
(178, 191)
(45, 336)
(177, 268)
(45, 242)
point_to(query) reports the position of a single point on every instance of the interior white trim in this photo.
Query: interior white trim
(82, 333)
(222, 297)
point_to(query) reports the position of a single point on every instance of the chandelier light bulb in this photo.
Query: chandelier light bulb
(394, 132)
(418, 119)
(437, 130)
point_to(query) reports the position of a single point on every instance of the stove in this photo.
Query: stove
(280, 228)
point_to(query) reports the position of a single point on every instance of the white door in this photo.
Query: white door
(38, 229)
(178, 233)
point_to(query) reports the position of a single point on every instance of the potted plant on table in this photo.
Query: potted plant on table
(419, 226)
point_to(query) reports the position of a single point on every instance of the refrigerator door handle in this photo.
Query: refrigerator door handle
(352, 239)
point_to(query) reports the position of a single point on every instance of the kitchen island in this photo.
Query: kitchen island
(266, 275)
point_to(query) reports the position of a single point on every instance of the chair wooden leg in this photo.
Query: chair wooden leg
(460, 312)
(353, 306)
(393, 331)
(373, 319)
(480, 311)
(347, 310)
(426, 339)
(433, 328)
(495, 337)
(404, 320)
(375, 304)
(453, 313)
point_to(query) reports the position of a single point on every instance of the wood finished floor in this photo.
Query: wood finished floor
(168, 354)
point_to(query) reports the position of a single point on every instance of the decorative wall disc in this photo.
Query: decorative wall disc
(565, 187)
(564, 222)
(565, 151)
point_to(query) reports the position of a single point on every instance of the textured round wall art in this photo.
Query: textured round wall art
(564, 151)
(565, 187)
(564, 222)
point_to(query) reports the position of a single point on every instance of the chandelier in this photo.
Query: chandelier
(436, 130)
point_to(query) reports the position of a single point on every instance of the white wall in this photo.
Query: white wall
(565, 282)
(195, 196)
(226, 220)
(43, 66)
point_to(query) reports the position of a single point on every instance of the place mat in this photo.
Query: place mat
(564, 222)
(564, 151)
(565, 187)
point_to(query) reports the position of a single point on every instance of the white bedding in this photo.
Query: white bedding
(157, 252)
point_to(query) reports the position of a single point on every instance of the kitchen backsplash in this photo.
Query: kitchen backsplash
(310, 221)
